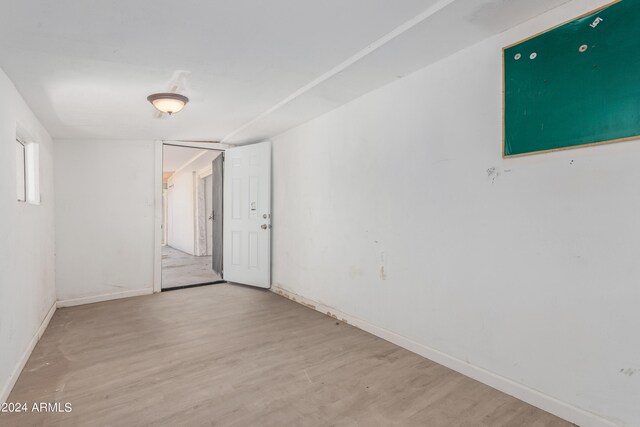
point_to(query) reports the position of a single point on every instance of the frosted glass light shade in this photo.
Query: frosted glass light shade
(168, 102)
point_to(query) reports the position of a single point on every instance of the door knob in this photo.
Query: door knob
(263, 226)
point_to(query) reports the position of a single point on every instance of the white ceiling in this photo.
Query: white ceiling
(256, 67)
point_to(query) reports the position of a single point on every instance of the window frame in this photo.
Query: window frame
(31, 171)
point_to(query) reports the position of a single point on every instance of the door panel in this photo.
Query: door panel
(208, 213)
(247, 208)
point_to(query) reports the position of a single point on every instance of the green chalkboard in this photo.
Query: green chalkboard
(574, 85)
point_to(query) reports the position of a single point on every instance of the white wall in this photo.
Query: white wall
(181, 198)
(27, 288)
(180, 220)
(386, 210)
(104, 218)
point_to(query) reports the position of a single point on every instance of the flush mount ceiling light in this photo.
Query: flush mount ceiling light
(168, 102)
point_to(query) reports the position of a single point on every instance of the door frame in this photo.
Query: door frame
(159, 144)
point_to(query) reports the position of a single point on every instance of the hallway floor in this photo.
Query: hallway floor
(229, 355)
(181, 269)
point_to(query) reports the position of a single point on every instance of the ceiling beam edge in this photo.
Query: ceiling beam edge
(346, 64)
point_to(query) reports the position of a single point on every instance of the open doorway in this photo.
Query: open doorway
(191, 216)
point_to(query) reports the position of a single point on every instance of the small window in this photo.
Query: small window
(32, 163)
(21, 172)
(28, 171)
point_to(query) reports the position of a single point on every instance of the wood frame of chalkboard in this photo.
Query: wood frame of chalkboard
(504, 94)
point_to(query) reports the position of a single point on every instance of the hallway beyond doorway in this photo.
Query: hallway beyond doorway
(182, 269)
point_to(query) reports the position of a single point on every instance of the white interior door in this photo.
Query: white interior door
(247, 215)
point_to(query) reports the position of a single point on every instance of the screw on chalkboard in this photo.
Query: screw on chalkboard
(595, 23)
(533, 55)
(583, 48)
(518, 56)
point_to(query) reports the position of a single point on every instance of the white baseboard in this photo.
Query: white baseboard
(547, 403)
(104, 297)
(4, 394)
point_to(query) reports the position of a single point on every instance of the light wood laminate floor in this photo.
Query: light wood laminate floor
(226, 355)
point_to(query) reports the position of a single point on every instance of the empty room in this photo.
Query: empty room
(320, 213)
